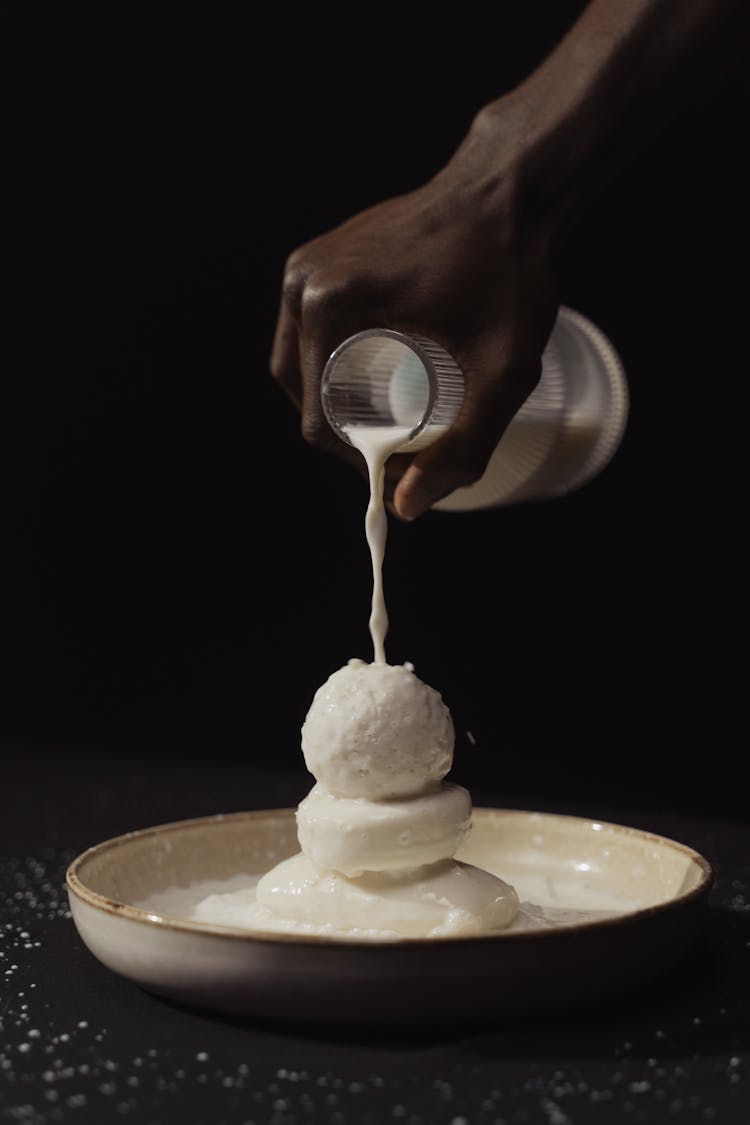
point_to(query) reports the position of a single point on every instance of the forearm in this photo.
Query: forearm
(620, 73)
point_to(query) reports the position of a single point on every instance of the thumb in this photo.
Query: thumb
(455, 460)
(460, 456)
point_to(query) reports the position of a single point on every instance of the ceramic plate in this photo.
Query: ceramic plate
(605, 906)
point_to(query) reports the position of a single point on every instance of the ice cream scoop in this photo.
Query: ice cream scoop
(377, 731)
(353, 835)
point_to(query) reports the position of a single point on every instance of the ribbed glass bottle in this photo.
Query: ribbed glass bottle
(566, 432)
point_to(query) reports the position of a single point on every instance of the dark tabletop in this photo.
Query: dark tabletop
(81, 1044)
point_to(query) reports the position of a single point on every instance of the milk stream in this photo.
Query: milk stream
(376, 443)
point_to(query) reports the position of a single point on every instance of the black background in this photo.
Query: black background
(181, 571)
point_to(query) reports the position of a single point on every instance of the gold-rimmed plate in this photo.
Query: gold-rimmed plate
(604, 907)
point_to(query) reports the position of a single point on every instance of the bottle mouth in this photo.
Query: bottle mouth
(379, 378)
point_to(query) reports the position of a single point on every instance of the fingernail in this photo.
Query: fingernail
(411, 509)
(410, 498)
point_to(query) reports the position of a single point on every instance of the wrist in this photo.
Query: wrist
(497, 177)
(542, 152)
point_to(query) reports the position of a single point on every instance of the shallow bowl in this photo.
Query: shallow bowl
(627, 904)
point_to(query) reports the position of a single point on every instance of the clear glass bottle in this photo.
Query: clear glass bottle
(566, 432)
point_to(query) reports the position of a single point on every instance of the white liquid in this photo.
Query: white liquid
(376, 443)
(232, 902)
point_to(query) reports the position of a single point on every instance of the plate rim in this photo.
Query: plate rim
(113, 907)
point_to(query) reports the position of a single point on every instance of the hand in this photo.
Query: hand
(466, 258)
(459, 260)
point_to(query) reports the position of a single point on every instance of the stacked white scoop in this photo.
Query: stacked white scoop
(379, 830)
